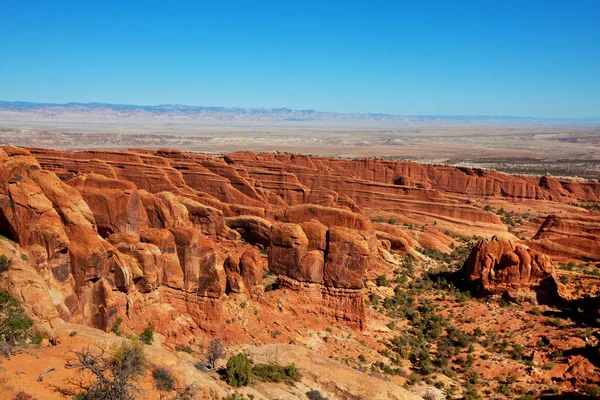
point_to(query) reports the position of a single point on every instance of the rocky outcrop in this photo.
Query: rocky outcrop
(499, 266)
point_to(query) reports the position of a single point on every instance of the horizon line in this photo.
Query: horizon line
(482, 116)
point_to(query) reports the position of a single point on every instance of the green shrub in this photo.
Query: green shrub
(147, 335)
(275, 373)
(239, 370)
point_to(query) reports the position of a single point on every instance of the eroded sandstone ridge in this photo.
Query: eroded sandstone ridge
(115, 232)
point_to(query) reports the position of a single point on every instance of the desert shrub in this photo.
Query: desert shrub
(591, 390)
(275, 373)
(472, 377)
(14, 325)
(147, 335)
(37, 338)
(548, 366)
(185, 348)
(235, 396)
(536, 311)
(429, 396)
(23, 396)
(315, 395)
(555, 354)
(188, 392)
(517, 352)
(5, 263)
(382, 280)
(116, 327)
(470, 393)
(163, 379)
(239, 370)
(503, 389)
(374, 299)
(114, 372)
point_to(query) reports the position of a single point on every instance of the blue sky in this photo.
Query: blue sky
(459, 57)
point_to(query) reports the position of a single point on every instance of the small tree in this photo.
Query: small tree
(114, 372)
(216, 351)
(239, 370)
(14, 325)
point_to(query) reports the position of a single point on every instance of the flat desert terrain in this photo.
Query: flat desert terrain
(514, 147)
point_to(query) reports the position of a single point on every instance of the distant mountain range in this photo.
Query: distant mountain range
(17, 110)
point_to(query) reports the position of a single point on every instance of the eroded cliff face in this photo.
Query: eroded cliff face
(147, 229)
(115, 232)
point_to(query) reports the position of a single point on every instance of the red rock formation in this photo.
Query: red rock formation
(499, 266)
(113, 231)
(570, 236)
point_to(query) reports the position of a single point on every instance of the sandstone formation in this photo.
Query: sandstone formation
(111, 232)
(499, 266)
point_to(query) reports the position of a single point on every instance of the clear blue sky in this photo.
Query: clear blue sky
(452, 57)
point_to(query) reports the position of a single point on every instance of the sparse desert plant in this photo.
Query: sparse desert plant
(114, 372)
(185, 348)
(315, 395)
(188, 392)
(517, 352)
(215, 352)
(163, 379)
(592, 390)
(116, 327)
(23, 396)
(147, 335)
(5, 263)
(235, 396)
